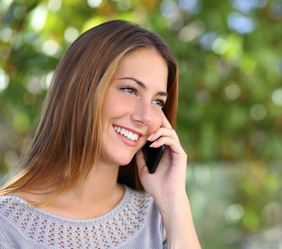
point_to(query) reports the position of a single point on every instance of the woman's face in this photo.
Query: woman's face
(133, 104)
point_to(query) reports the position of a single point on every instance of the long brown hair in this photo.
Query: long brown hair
(67, 143)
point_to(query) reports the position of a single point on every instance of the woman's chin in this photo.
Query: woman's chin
(125, 161)
(120, 160)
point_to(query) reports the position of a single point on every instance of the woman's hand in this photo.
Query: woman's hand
(169, 178)
(167, 187)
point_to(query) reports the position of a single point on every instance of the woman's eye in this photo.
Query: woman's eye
(159, 102)
(130, 90)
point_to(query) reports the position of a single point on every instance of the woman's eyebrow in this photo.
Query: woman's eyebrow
(142, 85)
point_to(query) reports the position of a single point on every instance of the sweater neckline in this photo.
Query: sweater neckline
(124, 200)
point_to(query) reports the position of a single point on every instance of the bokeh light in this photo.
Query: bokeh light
(232, 91)
(190, 6)
(6, 34)
(38, 17)
(277, 97)
(240, 24)
(50, 47)
(234, 213)
(54, 5)
(71, 34)
(169, 9)
(247, 7)
(94, 3)
(4, 80)
(191, 31)
(219, 46)
(258, 112)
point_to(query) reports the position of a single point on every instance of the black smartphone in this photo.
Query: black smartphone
(152, 156)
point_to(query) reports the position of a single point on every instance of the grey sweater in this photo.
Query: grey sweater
(134, 223)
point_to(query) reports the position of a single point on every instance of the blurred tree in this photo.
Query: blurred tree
(230, 68)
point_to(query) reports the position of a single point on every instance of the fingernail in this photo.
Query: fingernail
(154, 144)
(151, 137)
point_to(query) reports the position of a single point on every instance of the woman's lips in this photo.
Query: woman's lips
(128, 136)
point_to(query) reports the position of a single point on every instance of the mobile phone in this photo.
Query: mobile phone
(152, 156)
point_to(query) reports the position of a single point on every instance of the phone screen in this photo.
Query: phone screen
(152, 156)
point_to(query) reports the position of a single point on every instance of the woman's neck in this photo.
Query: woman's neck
(90, 199)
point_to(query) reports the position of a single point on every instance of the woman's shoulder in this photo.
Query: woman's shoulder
(141, 207)
(10, 201)
(136, 205)
(11, 208)
(136, 197)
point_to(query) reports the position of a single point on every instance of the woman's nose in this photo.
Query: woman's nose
(142, 113)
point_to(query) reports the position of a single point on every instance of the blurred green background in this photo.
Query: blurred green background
(230, 109)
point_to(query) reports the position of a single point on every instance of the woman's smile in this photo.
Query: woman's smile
(128, 134)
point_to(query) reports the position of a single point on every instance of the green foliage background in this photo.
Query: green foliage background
(230, 109)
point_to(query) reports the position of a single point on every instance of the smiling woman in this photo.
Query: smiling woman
(114, 89)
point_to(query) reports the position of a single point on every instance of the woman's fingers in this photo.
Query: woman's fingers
(163, 132)
(166, 135)
(170, 142)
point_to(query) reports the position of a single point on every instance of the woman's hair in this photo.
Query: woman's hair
(68, 140)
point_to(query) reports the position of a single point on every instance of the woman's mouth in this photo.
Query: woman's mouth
(131, 136)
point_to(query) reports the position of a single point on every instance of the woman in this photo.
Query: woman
(114, 89)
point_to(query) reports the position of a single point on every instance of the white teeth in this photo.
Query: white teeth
(127, 134)
(130, 135)
(134, 137)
